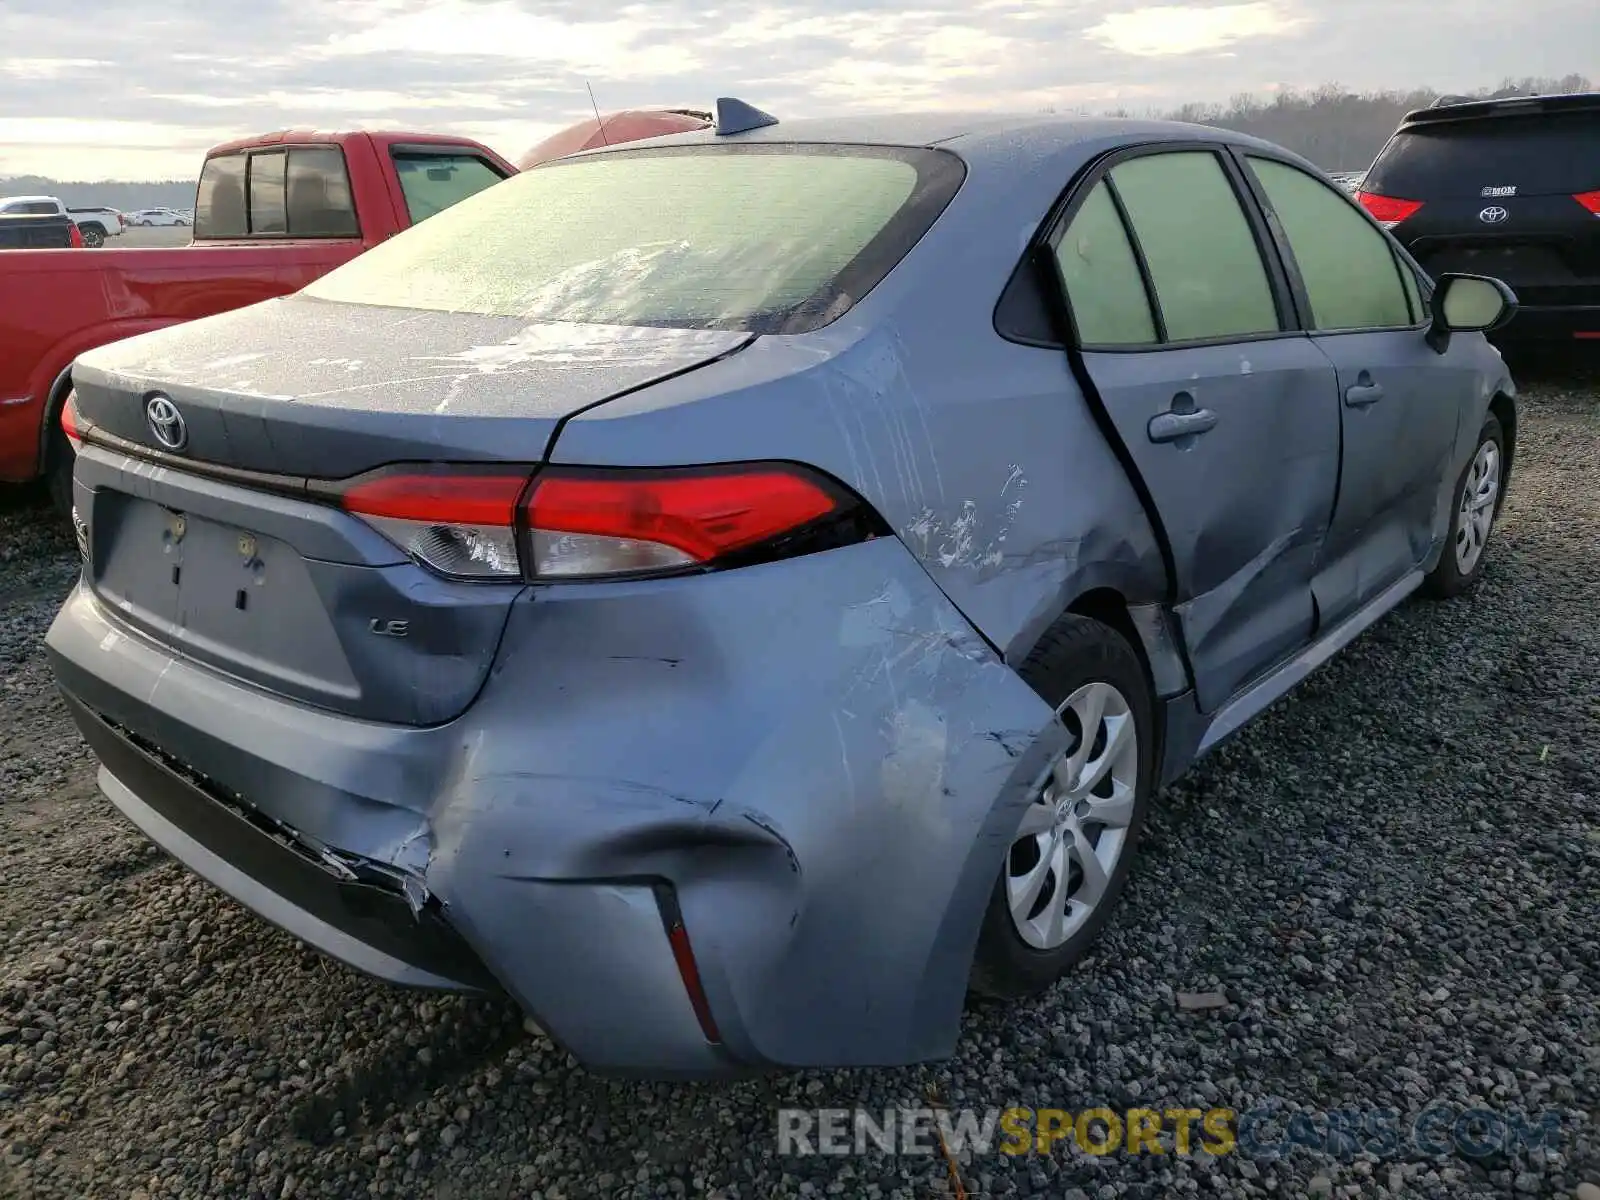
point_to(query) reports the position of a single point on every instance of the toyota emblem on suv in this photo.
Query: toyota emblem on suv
(166, 422)
(1493, 215)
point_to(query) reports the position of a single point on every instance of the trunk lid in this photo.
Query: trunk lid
(305, 387)
(259, 579)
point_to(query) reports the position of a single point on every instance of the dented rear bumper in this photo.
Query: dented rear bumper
(815, 765)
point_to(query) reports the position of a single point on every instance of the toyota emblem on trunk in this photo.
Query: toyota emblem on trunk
(166, 422)
(1493, 215)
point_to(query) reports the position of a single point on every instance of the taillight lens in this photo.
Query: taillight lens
(1388, 211)
(459, 522)
(74, 235)
(601, 522)
(610, 522)
(69, 421)
(1590, 200)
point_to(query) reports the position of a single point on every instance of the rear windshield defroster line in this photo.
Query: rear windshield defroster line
(764, 238)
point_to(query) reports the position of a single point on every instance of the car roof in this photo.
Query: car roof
(1449, 110)
(30, 199)
(994, 137)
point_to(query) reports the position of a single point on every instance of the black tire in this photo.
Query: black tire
(93, 236)
(1076, 651)
(1447, 579)
(58, 464)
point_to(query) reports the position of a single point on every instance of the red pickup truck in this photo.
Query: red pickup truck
(272, 213)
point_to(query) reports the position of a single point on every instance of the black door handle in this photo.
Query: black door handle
(1170, 426)
(1362, 395)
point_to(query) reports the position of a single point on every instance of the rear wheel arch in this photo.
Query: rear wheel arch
(55, 401)
(1110, 607)
(56, 455)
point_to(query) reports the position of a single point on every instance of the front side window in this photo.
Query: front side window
(765, 239)
(1101, 276)
(1205, 266)
(1350, 272)
(432, 183)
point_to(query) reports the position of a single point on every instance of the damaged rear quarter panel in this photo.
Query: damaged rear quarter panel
(819, 754)
(981, 454)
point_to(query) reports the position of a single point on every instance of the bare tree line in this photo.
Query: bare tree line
(1340, 130)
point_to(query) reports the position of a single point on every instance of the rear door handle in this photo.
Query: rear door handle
(1362, 395)
(1170, 426)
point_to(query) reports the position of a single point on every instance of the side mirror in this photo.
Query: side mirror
(1468, 304)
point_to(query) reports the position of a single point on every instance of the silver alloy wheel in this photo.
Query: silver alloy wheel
(1073, 834)
(1478, 496)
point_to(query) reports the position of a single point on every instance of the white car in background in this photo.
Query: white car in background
(159, 216)
(1350, 181)
(96, 224)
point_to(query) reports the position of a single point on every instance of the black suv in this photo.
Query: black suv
(1508, 188)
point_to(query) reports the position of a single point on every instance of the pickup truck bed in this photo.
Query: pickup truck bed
(55, 305)
(27, 231)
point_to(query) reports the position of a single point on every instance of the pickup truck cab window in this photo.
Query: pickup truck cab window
(433, 182)
(219, 208)
(267, 174)
(319, 200)
(299, 192)
(35, 208)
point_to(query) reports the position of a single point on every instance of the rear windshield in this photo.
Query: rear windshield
(1539, 154)
(766, 239)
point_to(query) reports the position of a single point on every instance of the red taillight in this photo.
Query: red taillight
(607, 522)
(585, 523)
(1590, 200)
(74, 235)
(1387, 210)
(459, 522)
(69, 421)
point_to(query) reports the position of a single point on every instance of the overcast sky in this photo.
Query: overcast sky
(137, 89)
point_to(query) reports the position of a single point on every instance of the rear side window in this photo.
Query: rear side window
(1101, 276)
(35, 208)
(762, 238)
(267, 175)
(432, 183)
(1205, 266)
(219, 207)
(1543, 154)
(1350, 272)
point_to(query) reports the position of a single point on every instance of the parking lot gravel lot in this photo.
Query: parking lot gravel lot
(1394, 878)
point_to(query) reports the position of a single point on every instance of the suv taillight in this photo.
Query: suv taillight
(1388, 211)
(1590, 200)
(562, 523)
(74, 235)
(69, 421)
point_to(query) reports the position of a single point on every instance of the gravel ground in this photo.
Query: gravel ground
(1394, 878)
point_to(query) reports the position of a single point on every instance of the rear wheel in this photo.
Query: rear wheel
(93, 235)
(58, 464)
(1477, 504)
(1073, 848)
